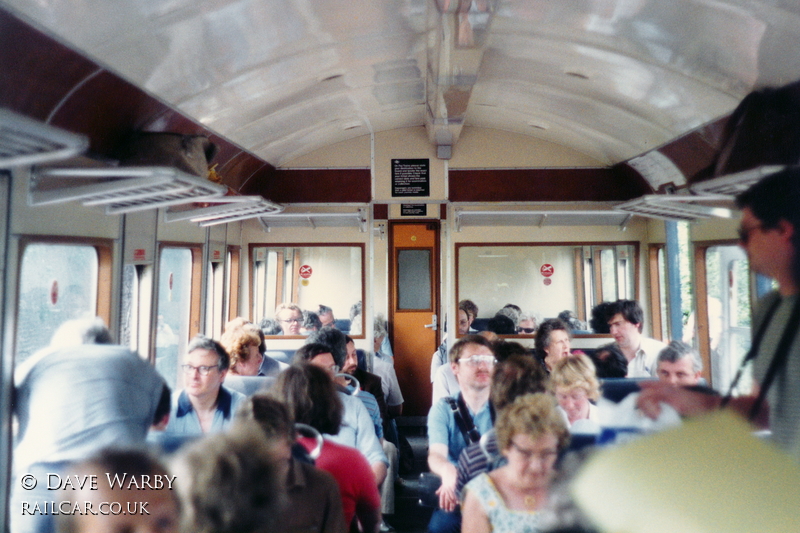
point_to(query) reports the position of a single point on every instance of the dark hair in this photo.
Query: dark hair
(333, 339)
(777, 198)
(324, 310)
(201, 342)
(504, 350)
(609, 361)
(501, 324)
(232, 483)
(311, 320)
(311, 397)
(307, 352)
(630, 310)
(270, 414)
(599, 320)
(469, 307)
(458, 347)
(164, 404)
(543, 335)
(516, 376)
(270, 326)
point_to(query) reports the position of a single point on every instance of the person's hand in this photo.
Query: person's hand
(447, 492)
(686, 402)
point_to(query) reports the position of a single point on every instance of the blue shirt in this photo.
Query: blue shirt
(183, 420)
(442, 427)
(369, 401)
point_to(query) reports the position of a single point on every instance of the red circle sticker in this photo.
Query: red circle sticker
(546, 270)
(305, 271)
(547, 281)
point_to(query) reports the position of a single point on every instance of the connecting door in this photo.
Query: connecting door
(413, 304)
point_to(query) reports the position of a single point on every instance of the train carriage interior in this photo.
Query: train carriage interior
(170, 165)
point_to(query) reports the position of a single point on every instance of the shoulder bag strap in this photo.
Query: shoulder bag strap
(472, 431)
(779, 359)
(460, 422)
(751, 354)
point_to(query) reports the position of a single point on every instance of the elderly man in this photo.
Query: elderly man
(770, 234)
(290, 318)
(625, 320)
(472, 361)
(325, 314)
(679, 364)
(204, 406)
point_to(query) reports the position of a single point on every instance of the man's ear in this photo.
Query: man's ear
(785, 228)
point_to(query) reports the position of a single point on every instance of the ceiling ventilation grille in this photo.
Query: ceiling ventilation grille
(675, 207)
(121, 189)
(733, 184)
(226, 209)
(26, 142)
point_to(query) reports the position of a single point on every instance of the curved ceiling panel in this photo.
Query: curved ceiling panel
(608, 78)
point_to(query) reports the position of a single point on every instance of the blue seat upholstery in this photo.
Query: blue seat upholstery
(615, 389)
(248, 385)
(284, 356)
(342, 324)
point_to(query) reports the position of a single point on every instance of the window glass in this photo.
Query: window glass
(414, 279)
(728, 285)
(308, 276)
(174, 307)
(58, 282)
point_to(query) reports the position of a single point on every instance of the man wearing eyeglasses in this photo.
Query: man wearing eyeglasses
(204, 405)
(290, 318)
(472, 361)
(770, 234)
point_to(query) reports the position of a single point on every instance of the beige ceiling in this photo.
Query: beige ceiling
(609, 78)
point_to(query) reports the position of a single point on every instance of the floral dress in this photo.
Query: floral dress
(502, 519)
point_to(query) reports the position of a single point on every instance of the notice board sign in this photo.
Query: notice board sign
(411, 177)
(413, 210)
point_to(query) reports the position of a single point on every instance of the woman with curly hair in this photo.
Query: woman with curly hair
(531, 434)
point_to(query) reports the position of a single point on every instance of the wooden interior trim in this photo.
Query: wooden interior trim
(197, 290)
(701, 310)
(105, 278)
(295, 279)
(280, 281)
(655, 292)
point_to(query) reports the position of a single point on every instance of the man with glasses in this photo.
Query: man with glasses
(290, 318)
(770, 234)
(327, 349)
(472, 361)
(204, 405)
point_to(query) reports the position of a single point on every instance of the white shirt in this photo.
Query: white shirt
(643, 365)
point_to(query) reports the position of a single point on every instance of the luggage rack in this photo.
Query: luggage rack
(120, 189)
(226, 209)
(24, 141)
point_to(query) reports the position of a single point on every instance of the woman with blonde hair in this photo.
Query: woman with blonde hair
(531, 434)
(242, 342)
(574, 380)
